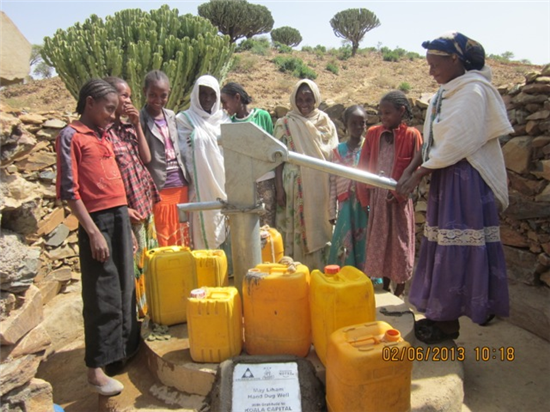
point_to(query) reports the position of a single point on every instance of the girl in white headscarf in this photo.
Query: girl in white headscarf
(198, 132)
(302, 193)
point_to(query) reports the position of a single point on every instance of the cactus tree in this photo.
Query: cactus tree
(353, 24)
(286, 35)
(237, 18)
(132, 42)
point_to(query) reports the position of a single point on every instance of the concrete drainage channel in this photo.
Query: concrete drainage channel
(437, 378)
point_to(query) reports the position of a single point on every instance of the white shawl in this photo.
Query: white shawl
(471, 119)
(315, 136)
(198, 133)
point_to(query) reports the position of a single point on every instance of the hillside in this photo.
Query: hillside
(362, 79)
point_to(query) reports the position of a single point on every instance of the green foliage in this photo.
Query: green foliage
(295, 66)
(282, 48)
(39, 67)
(405, 87)
(286, 35)
(332, 67)
(353, 24)
(256, 45)
(345, 52)
(132, 42)
(305, 72)
(237, 18)
(42, 70)
(397, 54)
(320, 51)
(307, 49)
(505, 57)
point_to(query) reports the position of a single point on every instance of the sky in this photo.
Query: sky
(519, 27)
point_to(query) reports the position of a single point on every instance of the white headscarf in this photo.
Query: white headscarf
(198, 133)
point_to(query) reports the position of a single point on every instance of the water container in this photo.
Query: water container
(214, 322)
(276, 310)
(338, 298)
(170, 275)
(365, 371)
(211, 267)
(272, 244)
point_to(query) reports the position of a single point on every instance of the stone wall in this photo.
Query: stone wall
(39, 255)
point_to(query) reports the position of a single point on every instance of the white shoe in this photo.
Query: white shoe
(111, 388)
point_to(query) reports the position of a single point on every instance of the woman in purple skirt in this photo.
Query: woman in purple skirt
(461, 269)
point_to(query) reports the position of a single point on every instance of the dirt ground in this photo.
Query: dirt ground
(491, 385)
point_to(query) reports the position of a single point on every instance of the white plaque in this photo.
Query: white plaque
(266, 387)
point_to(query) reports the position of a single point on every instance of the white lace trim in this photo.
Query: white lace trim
(459, 237)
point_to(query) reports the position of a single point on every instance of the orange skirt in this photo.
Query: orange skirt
(170, 231)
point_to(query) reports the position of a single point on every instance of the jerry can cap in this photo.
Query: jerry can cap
(332, 269)
(198, 293)
(392, 335)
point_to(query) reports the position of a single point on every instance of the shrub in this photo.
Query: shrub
(304, 72)
(405, 87)
(295, 66)
(345, 52)
(282, 48)
(332, 67)
(256, 45)
(320, 49)
(307, 49)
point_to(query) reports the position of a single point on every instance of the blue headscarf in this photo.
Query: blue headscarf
(469, 51)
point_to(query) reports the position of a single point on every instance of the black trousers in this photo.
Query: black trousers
(108, 291)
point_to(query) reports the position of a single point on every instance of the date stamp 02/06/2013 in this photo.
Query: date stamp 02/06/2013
(444, 354)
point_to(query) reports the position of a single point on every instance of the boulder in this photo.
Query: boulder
(37, 340)
(34, 396)
(23, 319)
(512, 237)
(58, 236)
(54, 124)
(23, 219)
(517, 154)
(524, 185)
(63, 317)
(50, 222)
(32, 118)
(542, 169)
(521, 207)
(19, 263)
(521, 265)
(37, 161)
(18, 372)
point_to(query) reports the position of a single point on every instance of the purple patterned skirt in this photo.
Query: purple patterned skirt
(461, 269)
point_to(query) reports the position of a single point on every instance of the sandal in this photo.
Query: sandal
(423, 322)
(433, 334)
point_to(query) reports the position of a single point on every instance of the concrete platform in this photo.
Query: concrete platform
(437, 378)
